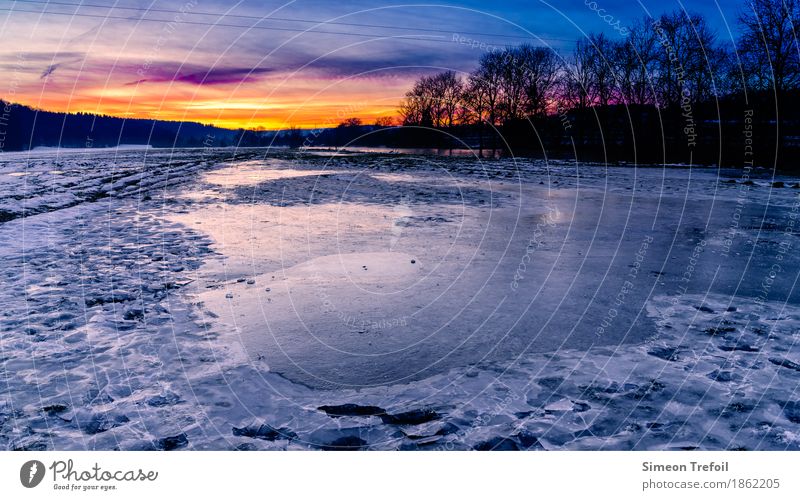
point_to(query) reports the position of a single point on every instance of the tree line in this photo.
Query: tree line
(673, 67)
(23, 128)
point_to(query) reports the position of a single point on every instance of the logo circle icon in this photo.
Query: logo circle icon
(31, 473)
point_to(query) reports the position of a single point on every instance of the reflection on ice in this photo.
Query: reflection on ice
(255, 172)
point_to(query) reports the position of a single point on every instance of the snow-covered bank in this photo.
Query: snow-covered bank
(189, 299)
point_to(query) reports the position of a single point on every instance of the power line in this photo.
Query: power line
(283, 19)
(198, 23)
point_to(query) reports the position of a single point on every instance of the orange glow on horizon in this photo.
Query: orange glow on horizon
(272, 104)
(231, 115)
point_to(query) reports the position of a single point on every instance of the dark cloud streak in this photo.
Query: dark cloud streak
(49, 70)
(198, 75)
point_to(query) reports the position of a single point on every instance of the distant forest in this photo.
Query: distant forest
(23, 128)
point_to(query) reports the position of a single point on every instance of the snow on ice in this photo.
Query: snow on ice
(252, 299)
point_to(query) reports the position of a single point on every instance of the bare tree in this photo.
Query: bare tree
(417, 107)
(601, 69)
(512, 84)
(433, 101)
(687, 59)
(576, 88)
(672, 54)
(385, 121)
(474, 107)
(636, 64)
(769, 44)
(703, 64)
(350, 122)
(540, 71)
(487, 80)
(447, 92)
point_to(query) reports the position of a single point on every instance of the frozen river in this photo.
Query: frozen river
(212, 299)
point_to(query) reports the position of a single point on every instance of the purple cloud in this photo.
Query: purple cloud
(197, 75)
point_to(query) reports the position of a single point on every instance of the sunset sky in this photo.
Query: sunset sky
(275, 64)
